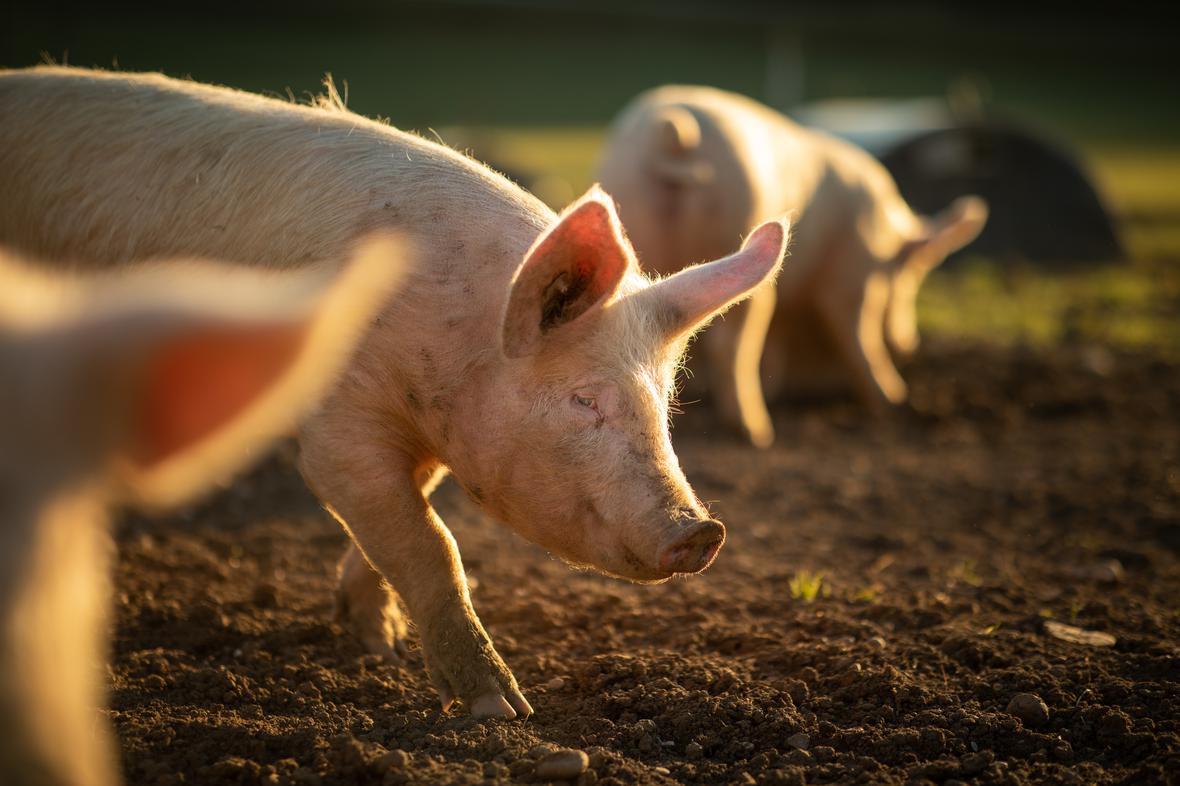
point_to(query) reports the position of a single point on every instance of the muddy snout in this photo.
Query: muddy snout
(693, 548)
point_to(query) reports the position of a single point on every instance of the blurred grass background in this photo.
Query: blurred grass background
(529, 86)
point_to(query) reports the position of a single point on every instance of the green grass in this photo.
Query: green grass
(1134, 306)
(806, 586)
(1140, 181)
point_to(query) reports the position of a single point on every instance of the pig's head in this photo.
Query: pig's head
(579, 458)
(936, 239)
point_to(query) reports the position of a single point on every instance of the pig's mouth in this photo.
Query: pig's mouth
(692, 550)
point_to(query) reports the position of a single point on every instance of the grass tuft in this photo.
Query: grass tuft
(806, 586)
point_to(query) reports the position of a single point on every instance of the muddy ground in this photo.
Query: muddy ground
(1019, 489)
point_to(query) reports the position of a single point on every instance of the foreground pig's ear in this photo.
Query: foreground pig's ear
(574, 266)
(207, 384)
(688, 300)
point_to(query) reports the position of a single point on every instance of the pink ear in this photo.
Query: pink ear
(230, 362)
(199, 382)
(689, 299)
(574, 266)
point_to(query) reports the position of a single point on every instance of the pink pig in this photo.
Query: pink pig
(141, 386)
(526, 354)
(694, 168)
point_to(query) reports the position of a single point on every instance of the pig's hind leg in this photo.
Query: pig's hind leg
(368, 606)
(855, 316)
(733, 347)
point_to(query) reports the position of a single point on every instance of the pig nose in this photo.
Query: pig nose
(694, 548)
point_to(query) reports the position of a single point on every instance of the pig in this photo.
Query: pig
(694, 168)
(526, 354)
(142, 387)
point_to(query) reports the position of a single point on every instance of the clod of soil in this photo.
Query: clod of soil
(800, 741)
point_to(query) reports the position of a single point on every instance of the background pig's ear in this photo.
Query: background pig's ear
(687, 300)
(949, 231)
(574, 266)
(203, 381)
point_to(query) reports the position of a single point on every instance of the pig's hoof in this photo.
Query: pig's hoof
(381, 631)
(761, 436)
(492, 705)
(492, 694)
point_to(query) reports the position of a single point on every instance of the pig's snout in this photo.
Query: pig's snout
(694, 547)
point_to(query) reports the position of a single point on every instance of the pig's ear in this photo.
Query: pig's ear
(575, 266)
(207, 384)
(947, 232)
(687, 300)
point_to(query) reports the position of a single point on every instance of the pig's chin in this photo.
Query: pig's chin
(629, 568)
(647, 578)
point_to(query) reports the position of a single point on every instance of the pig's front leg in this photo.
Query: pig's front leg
(373, 491)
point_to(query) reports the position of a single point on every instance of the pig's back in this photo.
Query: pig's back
(106, 168)
(748, 166)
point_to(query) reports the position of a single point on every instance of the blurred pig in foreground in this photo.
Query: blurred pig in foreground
(694, 168)
(141, 388)
(526, 354)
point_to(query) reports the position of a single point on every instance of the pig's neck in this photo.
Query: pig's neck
(437, 343)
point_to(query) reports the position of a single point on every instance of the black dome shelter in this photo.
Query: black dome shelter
(1043, 207)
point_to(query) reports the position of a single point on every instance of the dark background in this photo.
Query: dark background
(1089, 74)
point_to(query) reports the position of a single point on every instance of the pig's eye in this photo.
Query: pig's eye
(586, 401)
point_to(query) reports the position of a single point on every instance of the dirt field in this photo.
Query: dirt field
(1019, 489)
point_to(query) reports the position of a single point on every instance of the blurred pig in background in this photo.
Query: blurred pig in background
(694, 168)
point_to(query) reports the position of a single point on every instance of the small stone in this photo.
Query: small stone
(1090, 638)
(877, 642)
(557, 683)
(1108, 571)
(562, 765)
(800, 741)
(395, 759)
(693, 750)
(1030, 708)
